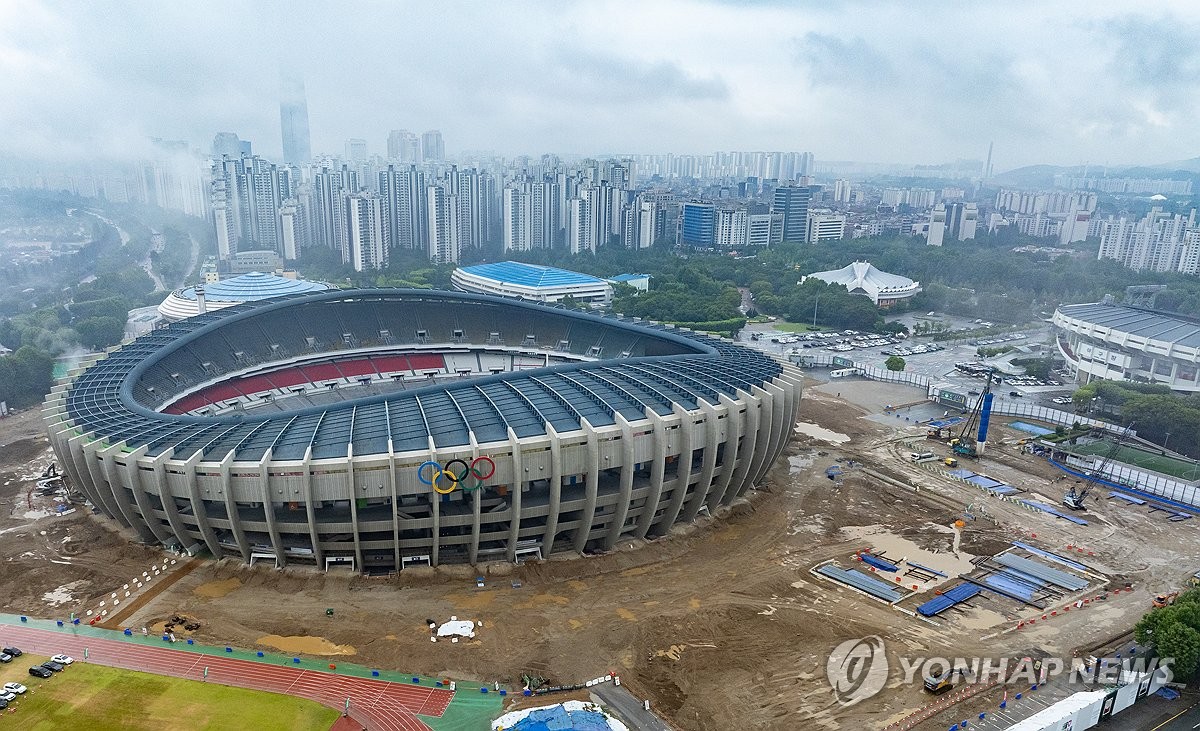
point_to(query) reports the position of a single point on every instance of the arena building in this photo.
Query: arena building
(531, 282)
(251, 287)
(1119, 343)
(381, 428)
(860, 277)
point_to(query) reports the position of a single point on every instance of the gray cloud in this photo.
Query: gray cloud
(847, 80)
(831, 60)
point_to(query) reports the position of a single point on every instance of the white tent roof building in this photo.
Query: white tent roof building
(860, 277)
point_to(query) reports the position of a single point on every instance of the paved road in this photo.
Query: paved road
(629, 709)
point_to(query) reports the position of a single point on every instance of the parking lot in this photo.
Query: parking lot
(936, 361)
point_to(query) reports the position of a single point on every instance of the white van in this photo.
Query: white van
(921, 456)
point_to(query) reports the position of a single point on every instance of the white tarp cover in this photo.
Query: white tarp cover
(457, 628)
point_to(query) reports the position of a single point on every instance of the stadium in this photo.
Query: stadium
(378, 429)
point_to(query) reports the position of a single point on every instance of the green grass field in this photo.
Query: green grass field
(100, 698)
(1146, 460)
(794, 327)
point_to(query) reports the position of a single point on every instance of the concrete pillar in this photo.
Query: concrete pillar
(354, 527)
(621, 508)
(554, 502)
(167, 496)
(193, 487)
(749, 448)
(658, 468)
(762, 435)
(269, 508)
(235, 519)
(98, 465)
(435, 502)
(514, 503)
(134, 480)
(476, 497)
(310, 509)
(591, 483)
(735, 427)
(706, 486)
(85, 462)
(395, 493)
(687, 439)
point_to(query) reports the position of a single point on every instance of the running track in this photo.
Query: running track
(377, 704)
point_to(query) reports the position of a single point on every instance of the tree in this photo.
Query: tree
(98, 333)
(894, 363)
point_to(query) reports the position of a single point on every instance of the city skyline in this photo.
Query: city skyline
(846, 80)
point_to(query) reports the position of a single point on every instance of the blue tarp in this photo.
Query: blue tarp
(1051, 556)
(560, 719)
(1006, 585)
(878, 563)
(1004, 490)
(962, 473)
(859, 580)
(1127, 498)
(939, 604)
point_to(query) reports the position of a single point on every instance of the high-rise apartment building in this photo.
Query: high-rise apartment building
(404, 201)
(442, 225)
(1158, 242)
(366, 242)
(293, 122)
(433, 149)
(937, 225)
(730, 227)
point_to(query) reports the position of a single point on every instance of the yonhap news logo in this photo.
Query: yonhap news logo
(857, 669)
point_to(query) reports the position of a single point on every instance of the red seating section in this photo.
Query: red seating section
(309, 375)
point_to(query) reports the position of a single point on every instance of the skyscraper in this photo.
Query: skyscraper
(698, 222)
(937, 225)
(792, 201)
(403, 146)
(293, 122)
(404, 199)
(433, 149)
(442, 226)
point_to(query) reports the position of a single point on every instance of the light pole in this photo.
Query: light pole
(1168, 438)
(815, 303)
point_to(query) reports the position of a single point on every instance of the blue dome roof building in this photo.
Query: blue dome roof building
(191, 301)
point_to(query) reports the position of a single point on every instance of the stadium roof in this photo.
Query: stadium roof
(252, 286)
(1150, 325)
(861, 276)
(113, 399)
(530, 275)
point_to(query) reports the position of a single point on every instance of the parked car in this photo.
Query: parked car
(55, 666)
(6, 696)
(3, 704)
(63, 659)
(5, 657)
(15, 688)
(38, 671)
(14, 651)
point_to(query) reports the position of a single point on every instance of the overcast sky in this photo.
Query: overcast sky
(1054, 82)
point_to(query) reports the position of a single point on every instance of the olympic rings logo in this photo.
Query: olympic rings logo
(444, 478)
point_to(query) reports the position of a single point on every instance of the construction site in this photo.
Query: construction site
(952, 546)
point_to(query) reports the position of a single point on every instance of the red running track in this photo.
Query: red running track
(377, 704)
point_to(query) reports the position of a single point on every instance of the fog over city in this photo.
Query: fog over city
(1057, 82)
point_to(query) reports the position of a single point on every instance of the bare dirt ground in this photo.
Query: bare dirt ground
(720, 625)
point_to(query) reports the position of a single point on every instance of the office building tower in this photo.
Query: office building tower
(697, 224)
(403, 146)
(764, 229)
(730, 227)
(792, 202)
(826, 227)
(366, 245)
(433, 149)
(293, 122)
(226, 143)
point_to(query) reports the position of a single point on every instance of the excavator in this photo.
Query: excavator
(1075, 498)
(1165, 600)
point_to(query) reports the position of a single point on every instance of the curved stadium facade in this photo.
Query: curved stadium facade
(294, 430)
